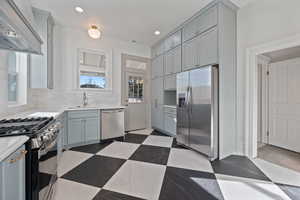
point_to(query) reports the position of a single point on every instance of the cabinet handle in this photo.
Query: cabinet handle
(22, 154)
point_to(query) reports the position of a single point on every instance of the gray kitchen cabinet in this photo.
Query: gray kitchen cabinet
(157, 67)
(201, 50)
(12, 176)
(83, 127)
(173, 41)
(201, 23)
(75, 131)
(158, 91)
(170, 124)
(173, 61)
(41, 66)
(170, 120)
(157, 117)
(92, 131)
(170, 82)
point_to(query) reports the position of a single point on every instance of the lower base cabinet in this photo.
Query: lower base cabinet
(83, 127)
(12, 176)
(170, 123)
(157, 119)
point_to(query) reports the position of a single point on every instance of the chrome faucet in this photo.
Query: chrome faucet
(84, 99)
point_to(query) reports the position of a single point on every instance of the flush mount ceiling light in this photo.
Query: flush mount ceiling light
(157, 32)
(94, 32)
(79, 9)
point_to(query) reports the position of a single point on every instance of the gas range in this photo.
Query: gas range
(26, 126)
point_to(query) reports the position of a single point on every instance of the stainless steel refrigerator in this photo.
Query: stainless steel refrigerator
(197, 110)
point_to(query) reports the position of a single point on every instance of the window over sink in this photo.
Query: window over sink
(94, 70)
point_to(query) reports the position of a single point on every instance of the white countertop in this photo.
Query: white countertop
(9, 145)
(57, 112)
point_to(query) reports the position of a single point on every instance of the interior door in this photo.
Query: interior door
(200, 109)
(183, 108)
(134, 92)
(284, 105)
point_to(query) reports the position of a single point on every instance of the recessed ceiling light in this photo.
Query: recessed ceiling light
(157, 32)
(79, 9)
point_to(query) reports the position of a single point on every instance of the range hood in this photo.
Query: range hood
(16, 31)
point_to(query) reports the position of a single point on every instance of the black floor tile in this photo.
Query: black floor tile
(91, 148)
(238, 166)
(186, 184)
(108, 195)
(151, 154)
(292, 191)
(159, 133)
(135, 138)
(95, 171)
(175, 145)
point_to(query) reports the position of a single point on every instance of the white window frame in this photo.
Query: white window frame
(107, 71)
(22, 80)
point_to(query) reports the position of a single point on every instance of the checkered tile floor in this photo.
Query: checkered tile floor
(149, 165)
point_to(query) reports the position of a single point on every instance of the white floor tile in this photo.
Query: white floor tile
(119, 150)
(188, 159)
(160, 141)
(236, 188)
(277, 173)
(142, 132)
(69, 190)
(138, 179)
(69, 160)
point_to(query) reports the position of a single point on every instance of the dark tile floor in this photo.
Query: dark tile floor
(166, 172)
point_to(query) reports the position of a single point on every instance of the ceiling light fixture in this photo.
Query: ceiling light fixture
(157, 32)
(79, 9)
(94, 32)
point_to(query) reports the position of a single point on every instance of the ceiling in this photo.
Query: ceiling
(126, 19)
(284, 54)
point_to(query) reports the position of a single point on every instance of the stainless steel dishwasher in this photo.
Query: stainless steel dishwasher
(112, 124)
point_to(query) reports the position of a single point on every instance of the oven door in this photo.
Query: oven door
(47, 170)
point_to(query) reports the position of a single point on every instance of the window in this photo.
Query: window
(135, 89)
(93, 70)
(17, 78)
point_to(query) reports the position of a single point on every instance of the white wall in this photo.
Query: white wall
(260, 22)
(66, 45)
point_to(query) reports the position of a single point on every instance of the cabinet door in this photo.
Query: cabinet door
(75, 131)
(92, 131)
(208, 48)
(173, 61)
(201, 51)
(173, 41)
(157, 90)
(13, 176)
(170, 123)
(157, 117)
(157, 66)
(189, 54)
(201, 23)
(170, 82)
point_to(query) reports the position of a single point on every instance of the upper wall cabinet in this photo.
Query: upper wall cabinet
(18, 27)
(41, 66)
(201, 50)
(173, 41)
(201, 23)
(157, 67)
(173, 61)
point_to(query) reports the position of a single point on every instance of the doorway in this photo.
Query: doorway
(135, 91)
(278, 122)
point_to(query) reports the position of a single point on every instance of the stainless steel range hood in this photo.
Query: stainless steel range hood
(16, 32)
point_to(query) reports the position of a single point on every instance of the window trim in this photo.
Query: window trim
(108, 70)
